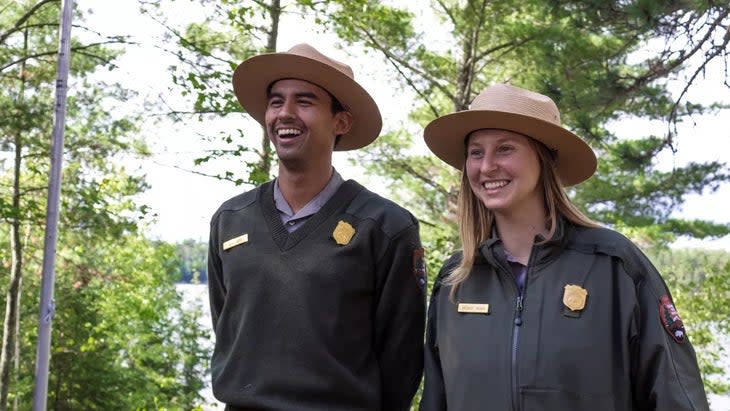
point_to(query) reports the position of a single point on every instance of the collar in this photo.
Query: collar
(314, 205)
(494, 252)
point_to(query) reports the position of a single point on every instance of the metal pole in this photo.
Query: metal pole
(43, 352)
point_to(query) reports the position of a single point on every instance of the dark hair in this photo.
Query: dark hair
(336, 107)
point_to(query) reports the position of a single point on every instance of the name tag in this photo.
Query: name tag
(473, 308)
(235, 241)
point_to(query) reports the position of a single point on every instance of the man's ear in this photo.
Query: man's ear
(343, 122)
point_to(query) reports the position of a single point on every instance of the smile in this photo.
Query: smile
(288, 132)
(491, 185)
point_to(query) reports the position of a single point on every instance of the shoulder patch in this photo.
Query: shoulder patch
(419, 268)
(670, 319)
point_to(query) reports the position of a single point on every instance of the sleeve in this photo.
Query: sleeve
(216, 287)
(665, 369)
(434, 394)
(400, 318)
(434, 391)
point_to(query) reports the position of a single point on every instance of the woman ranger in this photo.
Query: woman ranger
(543, 309)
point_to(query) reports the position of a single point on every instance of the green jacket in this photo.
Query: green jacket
(532, 352)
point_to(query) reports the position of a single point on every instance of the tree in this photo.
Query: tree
(208, 51)
(121, 339)
(193, 257)
(700, 280)
(97, 212)
(579, 54)
(26, 71)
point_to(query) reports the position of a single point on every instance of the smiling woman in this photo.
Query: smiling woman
(537, 264)
(503, 172)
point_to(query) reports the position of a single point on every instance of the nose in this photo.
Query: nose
(488, 163)
(286, 110)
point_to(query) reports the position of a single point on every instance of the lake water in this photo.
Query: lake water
(197, 294)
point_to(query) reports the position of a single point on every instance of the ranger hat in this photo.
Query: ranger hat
(515, 109)
(252, 78)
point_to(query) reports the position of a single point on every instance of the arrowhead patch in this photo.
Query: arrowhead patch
(670, 319)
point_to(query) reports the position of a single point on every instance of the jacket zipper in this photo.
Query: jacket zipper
(515, 344)
(516, 332)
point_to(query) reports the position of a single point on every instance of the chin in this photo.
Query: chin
(496, 206)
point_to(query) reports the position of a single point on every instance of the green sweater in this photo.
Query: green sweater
(303, 322)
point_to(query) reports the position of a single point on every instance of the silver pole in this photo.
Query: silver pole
(43, 353)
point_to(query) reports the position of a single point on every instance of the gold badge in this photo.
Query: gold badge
(574, 297)
(343, 233)
(235, 241)
(473, 308)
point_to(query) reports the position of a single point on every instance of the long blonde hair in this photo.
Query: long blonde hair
(476, 220)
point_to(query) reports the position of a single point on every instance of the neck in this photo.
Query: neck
(299, 187)
(518, 233)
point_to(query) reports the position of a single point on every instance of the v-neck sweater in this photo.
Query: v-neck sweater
(312, 320)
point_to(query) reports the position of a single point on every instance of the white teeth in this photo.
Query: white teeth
(288, 132)
(490, 185)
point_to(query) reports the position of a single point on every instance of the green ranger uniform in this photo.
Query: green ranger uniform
(328, 317)
(610, 340)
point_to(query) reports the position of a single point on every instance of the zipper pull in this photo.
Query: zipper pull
(518, 319)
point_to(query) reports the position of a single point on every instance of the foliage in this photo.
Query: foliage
(208, 50)
(700, 283)
(628, 192)
(92, 133)
(193, 257)
(120, 338)
(579, 53)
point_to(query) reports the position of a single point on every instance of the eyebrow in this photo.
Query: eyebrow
(499, 140)
(303, 94)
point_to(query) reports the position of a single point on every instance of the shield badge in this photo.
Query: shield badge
(343, 233)
(574, 297)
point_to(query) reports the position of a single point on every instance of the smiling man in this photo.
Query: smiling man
(316, 284)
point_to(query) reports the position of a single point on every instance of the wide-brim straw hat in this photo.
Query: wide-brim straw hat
(252, 78)
(515, 109)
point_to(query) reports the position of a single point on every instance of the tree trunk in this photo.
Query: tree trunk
(266, 152)
(468, 62)
(12, 298)
(16, 348)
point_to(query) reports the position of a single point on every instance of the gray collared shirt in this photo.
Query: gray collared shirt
(293, 221)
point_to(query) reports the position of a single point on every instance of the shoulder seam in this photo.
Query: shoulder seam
(249, 197)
